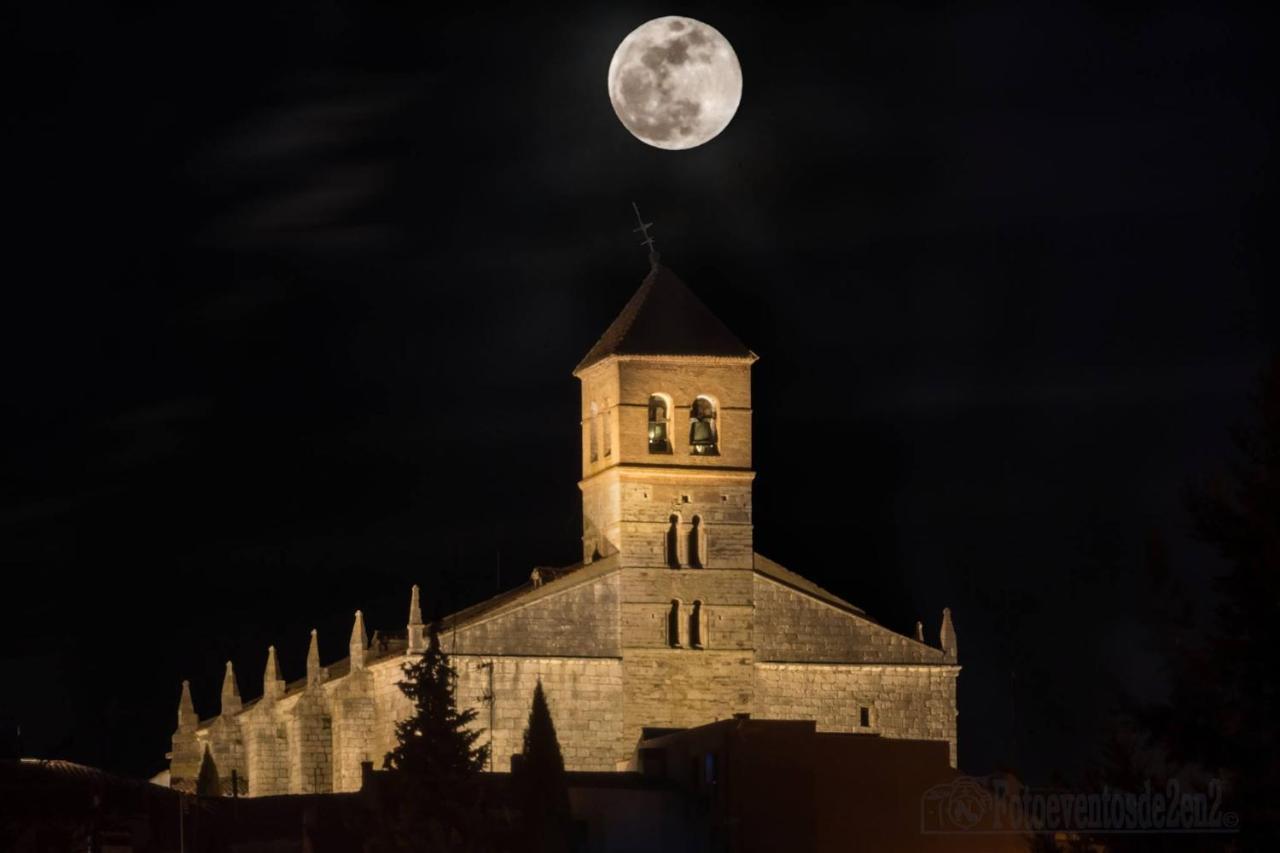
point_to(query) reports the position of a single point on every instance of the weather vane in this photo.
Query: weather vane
(648, 239)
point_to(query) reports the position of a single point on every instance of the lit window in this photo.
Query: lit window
(659, 442)
(702, 428)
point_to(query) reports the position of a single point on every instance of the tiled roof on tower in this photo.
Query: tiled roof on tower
(664, 317)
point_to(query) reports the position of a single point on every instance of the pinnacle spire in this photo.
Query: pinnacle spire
(185, 763)
(947, 635)
(919, 631)
(417, 631)
(359, 642)
(272, 683)
(313, 660)
(187, 719)
(230, 693)
(415, 607)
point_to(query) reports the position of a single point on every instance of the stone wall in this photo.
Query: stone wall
(793, 626)
(565, 617)
(355, 726)
(903, 701)
(585, 697)
(622, 387)
(601, 517)
(629, 494)
(310, 729)
(718, 502)
(726, 383)
(226, 743)
(601, 641)
(390, 704)
(599, 389)
(677, 688)
(266, 750)
(726, 597)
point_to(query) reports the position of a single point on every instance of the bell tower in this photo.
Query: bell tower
(666, 435)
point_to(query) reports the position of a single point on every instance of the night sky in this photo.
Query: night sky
(293, 293)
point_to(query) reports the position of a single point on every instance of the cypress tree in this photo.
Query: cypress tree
(436, 759)
(542, 786)
(207, 782)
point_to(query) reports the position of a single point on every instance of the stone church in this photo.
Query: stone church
(670, 620)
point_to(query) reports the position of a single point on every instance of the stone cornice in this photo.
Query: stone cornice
(714, 360)
(642, 471)
(953, 668)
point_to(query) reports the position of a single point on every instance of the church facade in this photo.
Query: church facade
(671, 619)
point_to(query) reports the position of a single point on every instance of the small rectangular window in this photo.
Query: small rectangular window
(864, 717)
(608, 433)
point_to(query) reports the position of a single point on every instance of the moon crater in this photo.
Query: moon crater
(675, 82)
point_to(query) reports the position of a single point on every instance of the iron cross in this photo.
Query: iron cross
(648, 238)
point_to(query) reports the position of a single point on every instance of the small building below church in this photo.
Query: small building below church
(670, 621)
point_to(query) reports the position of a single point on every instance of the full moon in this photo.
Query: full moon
(675, 82)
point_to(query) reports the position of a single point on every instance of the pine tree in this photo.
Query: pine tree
(541, 783)
(1218, 723)
(207, 782)
(436, 759)
(1228, 698)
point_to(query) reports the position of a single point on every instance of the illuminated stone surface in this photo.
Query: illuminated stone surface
(613, 638)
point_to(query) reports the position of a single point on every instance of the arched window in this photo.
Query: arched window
(591, 430)
(702, 427)
(696, 632)
(673, 542)
(674, 623)
(659, 424)
(697, 543)
(608, 429)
